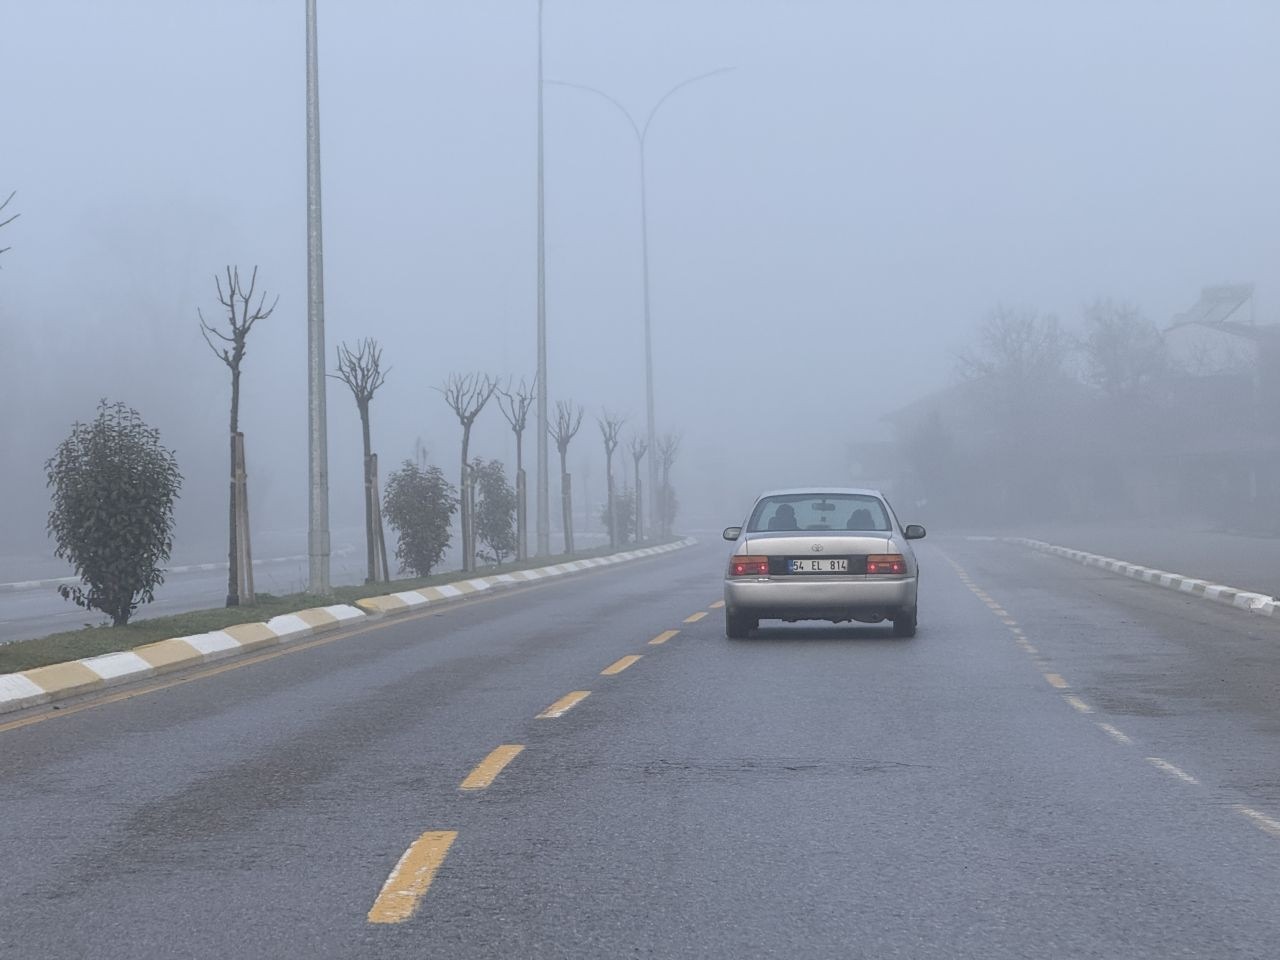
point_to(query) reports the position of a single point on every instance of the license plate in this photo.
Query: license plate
(818, 566)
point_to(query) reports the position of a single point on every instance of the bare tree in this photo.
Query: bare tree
(515, 406)
(467, 395)
(1125, 355)
(668, 451)
(8, 220)
(610, 428)
(1018, 350)
(567, 423)
(361, 370)
(1019, 371)
(241, 315)
(639, 447)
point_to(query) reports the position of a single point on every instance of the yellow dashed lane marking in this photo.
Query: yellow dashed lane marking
(1079, 704)
(1056, 681)
(1261, 820)
(488, 768)
(1170, 769)
(717, 605)
(411, 877)
(563, 705)
(664, 636)
(618, 666)
(695, 617)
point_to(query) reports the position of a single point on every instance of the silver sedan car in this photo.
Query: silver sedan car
(822, 554)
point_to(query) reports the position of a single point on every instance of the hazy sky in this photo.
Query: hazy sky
(828, 221)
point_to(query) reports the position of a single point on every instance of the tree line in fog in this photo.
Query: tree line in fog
(1101, 419)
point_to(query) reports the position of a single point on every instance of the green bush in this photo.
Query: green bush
(625, 501)
(668, 507)
(419, 503)
(495, 511)
(113, 491)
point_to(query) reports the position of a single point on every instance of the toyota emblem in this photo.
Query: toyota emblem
(816, 548)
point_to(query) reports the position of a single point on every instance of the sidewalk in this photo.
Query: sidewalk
(1247, 563)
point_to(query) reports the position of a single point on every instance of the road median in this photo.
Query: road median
(62, 680)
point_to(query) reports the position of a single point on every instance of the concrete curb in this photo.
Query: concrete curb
(58, 681)
(1258, 603)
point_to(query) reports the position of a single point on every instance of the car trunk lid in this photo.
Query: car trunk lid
(780, 546)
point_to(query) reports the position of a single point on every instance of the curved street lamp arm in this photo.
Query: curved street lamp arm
(600, 93)
(644, 131)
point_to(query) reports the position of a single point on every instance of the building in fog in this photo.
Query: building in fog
(1200, 446)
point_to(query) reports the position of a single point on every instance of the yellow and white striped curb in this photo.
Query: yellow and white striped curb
(426, 596)
(59, 681)
(1258, 603)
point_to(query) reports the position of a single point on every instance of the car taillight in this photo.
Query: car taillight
(886, 563)
(748, 566)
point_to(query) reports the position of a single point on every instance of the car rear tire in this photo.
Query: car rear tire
(904, 625)
(737, 626)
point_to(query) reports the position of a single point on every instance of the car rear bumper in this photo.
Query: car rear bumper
(803, 599)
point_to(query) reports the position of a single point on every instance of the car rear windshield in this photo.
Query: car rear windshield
(820, 511)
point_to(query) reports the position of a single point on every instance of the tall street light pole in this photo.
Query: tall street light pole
(544, 486)
(641, 132)
(318, 464)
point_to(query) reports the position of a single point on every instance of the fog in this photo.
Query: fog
(830, 222)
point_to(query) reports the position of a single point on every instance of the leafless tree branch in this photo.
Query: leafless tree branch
(1019, 346)
(241, 316)
(610, 429)
(515, 403)
(1125, 355)
(567, 423)
(466, 394)
(638, 446)
(205, 330)
(668, 449)
(361, 369)
(10, 219)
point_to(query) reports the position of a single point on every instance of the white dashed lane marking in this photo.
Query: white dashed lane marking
(1261, 820)
(1173, 771)
(1118, 736)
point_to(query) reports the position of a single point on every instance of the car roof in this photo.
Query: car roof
(821, 491)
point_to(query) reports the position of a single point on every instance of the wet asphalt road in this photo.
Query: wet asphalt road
(1063, 763)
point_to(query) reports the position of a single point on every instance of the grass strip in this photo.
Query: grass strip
(89, 641)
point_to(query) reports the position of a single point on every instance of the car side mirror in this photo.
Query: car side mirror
(914, 532)
(732, 533)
